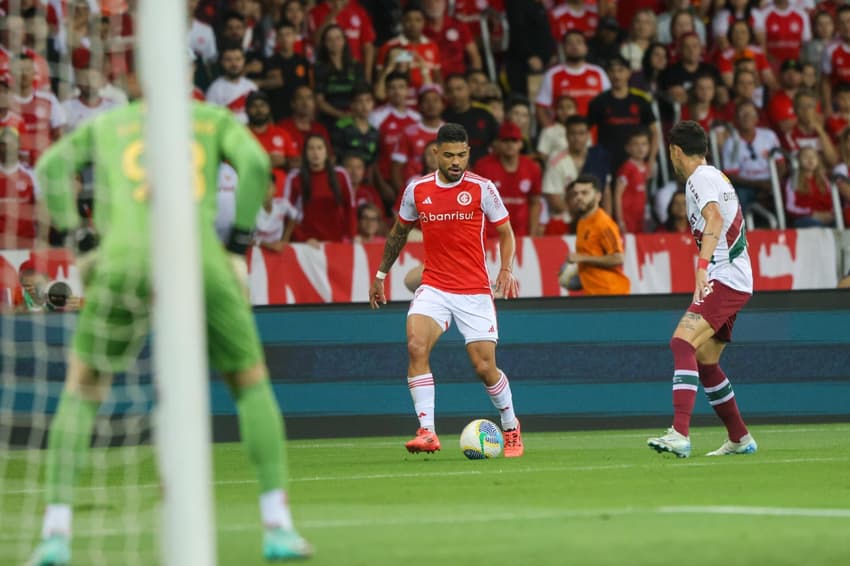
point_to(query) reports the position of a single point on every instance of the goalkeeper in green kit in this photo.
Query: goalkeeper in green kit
(114, 322)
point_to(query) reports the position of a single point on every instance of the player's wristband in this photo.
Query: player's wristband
(380, 275)
(702, 263)
(239, 241)
(56, 238)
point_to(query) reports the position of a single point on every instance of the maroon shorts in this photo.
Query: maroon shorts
(720, 308)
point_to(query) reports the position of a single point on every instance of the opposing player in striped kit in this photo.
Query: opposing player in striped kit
(724, 284)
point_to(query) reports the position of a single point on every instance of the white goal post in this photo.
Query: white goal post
(180, 365)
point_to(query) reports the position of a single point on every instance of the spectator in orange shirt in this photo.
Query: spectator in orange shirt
(599, 247)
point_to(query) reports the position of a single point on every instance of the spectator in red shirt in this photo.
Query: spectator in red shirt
(356, 23)
(630, 186)
(422, 53)
(321, 193)
(518, 179)
(810, 131)
(18, 194)
(573, 15)
(458, 50)
(702, 102)
(364, 193)
(809, 200)
(303, 121)
(835, 64)
(780, 109)
(7, 117)
(785, 29)
(42, 115)
(274, 139)
(408, 153)
(12, 45)
(742, 46)
(838, 122)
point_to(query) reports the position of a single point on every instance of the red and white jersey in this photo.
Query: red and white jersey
(723, 20)
(797, 139)
(234, 95)
(582, 84)
(515, 187)
(784, 30)
(836, 62)
(42, 114)
(353, 19)
(12, 120)
(18, 194)
(276, 141)
(410, 147)
(452, 217)
(452, 39)
(425, 48)
(564, 18)
(270, 223)
(391, 125)
(77, 111)
(633, 176)
(41, 79)
(202, 41)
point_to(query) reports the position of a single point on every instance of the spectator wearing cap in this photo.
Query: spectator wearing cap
(823, 31)
(458, 50)
(42, 115)
(575, 78)
(355, 24)
(303, 122)
(18, 194)
(677, 79)
(7, 117)
(275, 140)
(337, 75)
(518, 179)
(573, 15)
(391, 119)
(618, 112)
(422, 54)
(605, 43)
(531, 45)
(407, 155)
(480, 125)
(231, 89)
(780, 109)
(354, 133)
(284, 71)
(88, 102)
(201, 36)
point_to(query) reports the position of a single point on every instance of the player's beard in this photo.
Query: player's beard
(452, 176)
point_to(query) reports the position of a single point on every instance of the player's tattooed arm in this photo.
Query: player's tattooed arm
(396, 240)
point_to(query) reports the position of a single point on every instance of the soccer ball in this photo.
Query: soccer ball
(481, 439)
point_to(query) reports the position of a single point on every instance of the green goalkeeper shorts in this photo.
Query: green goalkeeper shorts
(115, 319)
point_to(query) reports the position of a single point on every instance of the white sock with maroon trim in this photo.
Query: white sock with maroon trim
(500, 394)
(422, 391)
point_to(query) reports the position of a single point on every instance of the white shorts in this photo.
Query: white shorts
(475, 314)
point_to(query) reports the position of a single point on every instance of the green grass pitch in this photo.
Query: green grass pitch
(583, 498)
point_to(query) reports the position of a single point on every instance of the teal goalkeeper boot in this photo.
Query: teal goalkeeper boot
(280, 545)
(52, 551)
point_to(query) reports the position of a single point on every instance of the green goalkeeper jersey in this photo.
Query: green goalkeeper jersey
(114, 143)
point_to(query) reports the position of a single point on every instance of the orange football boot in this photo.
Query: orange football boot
(513, 442)
(425, 441)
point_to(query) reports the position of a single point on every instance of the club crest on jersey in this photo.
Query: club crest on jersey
(464, 198)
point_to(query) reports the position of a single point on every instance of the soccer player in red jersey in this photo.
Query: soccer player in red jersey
(630, 187)
(452, 206)
(518, 179)
(724, 284)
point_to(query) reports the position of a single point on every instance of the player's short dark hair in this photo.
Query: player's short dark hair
(452, 133)
(690, 137)
(284, 23)
(586, 179)
(617, 60)
(576, 120)
(639, 132)
(804, 93)
(843, 8)
(570, 32)
(842, 87)
(413, 6)
(232, 15)
(361, 89)
(454, 76)
(230, 46)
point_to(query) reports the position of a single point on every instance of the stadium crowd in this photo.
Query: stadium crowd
(346, 96)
